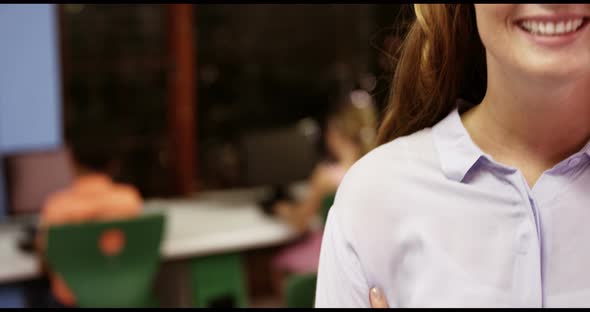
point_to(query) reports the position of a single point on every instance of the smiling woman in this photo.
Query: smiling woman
(477, 196)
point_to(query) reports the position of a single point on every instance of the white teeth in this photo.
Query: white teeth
(552, 28)
(560, 28)
(541, 28)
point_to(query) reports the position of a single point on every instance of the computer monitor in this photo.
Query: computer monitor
(33, 176)
(279, 157)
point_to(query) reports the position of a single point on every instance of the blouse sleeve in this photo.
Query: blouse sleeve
(341, 281)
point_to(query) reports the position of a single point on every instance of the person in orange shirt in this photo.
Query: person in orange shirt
(92, 197)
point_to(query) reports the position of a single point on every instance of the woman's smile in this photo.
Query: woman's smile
(555, 30)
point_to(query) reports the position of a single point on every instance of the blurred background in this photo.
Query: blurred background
(210, 114)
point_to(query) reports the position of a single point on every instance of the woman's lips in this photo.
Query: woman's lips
(553, 30)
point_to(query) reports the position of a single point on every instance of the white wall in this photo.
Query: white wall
(30, 81)
(30, 97)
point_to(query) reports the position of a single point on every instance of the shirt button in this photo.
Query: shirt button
(574, 162)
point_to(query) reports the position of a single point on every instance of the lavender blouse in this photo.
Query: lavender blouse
(435, 222)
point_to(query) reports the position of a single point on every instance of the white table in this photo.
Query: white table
(215, 222)
(207, 223)
(15, 265)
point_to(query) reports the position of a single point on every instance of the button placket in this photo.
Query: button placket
(528, 278)
(535, 243)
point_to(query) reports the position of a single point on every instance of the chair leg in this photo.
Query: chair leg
(278, 278)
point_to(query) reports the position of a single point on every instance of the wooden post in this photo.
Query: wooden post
(181, 97)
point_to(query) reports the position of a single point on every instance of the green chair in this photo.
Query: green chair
(327, 203)
(301, 290)
(216, 278)
(97, 280)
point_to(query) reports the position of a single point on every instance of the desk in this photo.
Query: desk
(207, 223)
(216, 222)
(15, 265)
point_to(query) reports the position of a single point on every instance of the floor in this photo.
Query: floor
(266, 302)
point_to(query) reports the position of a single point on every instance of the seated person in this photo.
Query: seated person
(92, 197)
(349, 135)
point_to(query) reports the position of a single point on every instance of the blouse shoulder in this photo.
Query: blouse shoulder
(384, 174)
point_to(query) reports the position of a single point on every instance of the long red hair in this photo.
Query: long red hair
(441, 59)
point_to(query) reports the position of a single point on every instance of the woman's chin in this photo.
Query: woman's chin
(557, 70)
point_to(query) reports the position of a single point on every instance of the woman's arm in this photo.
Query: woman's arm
(341, 280)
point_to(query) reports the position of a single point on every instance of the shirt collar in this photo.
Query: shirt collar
(586, 149)
(457, 152)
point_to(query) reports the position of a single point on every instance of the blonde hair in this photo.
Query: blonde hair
(356, 119)
(441, 59)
